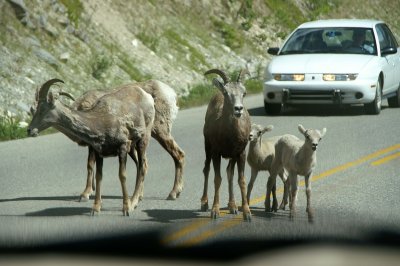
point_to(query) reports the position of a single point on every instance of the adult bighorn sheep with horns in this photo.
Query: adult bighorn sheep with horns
(166, 111)
(226, 133)
(114, 126)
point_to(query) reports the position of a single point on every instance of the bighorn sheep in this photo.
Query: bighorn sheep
(114, 126)
(226, 133)
(260, 155)
(166, 110)
(297, 157)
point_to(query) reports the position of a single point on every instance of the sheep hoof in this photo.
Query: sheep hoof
(267, 209)
(125, 213)
(204, 207)
(172, 196)
(95, 213)
(214, 214)
(247, 217)
(83, 198)
(233, 211)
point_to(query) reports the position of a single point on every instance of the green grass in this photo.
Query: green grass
(9, 128)
(74, 10)
(232, 37)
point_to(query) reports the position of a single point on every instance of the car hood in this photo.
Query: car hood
(319, 63)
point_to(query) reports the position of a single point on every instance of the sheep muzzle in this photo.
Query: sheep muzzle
(33, 132)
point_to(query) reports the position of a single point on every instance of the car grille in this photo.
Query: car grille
(336, 96)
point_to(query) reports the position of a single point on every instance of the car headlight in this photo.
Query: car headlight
(339, 77)
(289, 77)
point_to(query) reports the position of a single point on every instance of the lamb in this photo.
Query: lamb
(114, 126)
(260, 155)
(226, 133)
(297, 158)
(166, 111)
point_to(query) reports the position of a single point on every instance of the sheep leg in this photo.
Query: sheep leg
(271, 188)
(217, 184)
(230, 170)
(254, 174)
(309, 210)
(242, 184)
(90, 173)
(294, 183)
(206, 171)
(126, 207)
(99, 175)
(168, 143)
(141, 154)
(286, 186)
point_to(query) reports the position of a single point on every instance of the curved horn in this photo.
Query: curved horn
(63, 93)
(45, 88)
(221, 73)
(242, 73)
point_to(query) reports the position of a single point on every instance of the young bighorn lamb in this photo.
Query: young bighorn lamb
(260, 155)
(166, 111)
(114, 126)
(226, 133)
(297, 157)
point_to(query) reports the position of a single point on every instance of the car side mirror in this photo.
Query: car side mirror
(389, 50)
(273, 50)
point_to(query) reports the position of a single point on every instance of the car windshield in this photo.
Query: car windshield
(331, 40)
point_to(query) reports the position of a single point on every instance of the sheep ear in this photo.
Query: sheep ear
(323, 132)
(267, 128)
(302, 129)
(219, 85)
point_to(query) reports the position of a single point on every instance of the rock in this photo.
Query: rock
(46, 57)
(64, 57)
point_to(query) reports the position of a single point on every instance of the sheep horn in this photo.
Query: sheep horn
(63, 93)
(242, 73)
(45, 88)
(221, 73)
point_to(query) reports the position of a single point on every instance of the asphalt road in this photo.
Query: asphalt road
(356, 187)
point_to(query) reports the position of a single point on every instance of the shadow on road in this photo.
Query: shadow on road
(56, 198)
(168, 216)
(62, 211)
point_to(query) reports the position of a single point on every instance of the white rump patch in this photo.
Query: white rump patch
(170, 95)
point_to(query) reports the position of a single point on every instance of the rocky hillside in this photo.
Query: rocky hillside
(98, 44)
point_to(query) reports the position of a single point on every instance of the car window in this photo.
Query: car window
(331, 40)
(386, 37)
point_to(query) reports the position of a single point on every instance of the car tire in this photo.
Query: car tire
(395, 100)
(374, 108)
(272, 108)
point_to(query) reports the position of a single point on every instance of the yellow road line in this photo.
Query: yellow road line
(385, 159)
(211, 232)
(234, 221)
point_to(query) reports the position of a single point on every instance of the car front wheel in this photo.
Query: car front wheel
(395, 100)
(272, 108)
(374, 107)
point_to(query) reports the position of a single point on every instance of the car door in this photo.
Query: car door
(390, 61)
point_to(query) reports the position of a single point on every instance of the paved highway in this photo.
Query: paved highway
(356, 187)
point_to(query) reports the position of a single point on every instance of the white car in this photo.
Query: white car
(337, 61)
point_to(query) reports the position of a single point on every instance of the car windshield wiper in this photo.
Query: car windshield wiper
(294, 52)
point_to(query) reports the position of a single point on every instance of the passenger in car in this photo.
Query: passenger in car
(359, 42)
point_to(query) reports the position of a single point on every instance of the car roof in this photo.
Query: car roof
(361, 23)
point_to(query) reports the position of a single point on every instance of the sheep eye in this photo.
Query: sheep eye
(244, 94)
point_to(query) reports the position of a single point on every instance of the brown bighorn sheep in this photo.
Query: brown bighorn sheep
(297, 157)
(226, 133)
(166, 110)
(114, 126)
(260, 156)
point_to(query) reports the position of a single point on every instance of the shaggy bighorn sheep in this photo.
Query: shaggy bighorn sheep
(114, 126)
(166, 110)
(260, 155)
(297, 157)
(226, 133)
